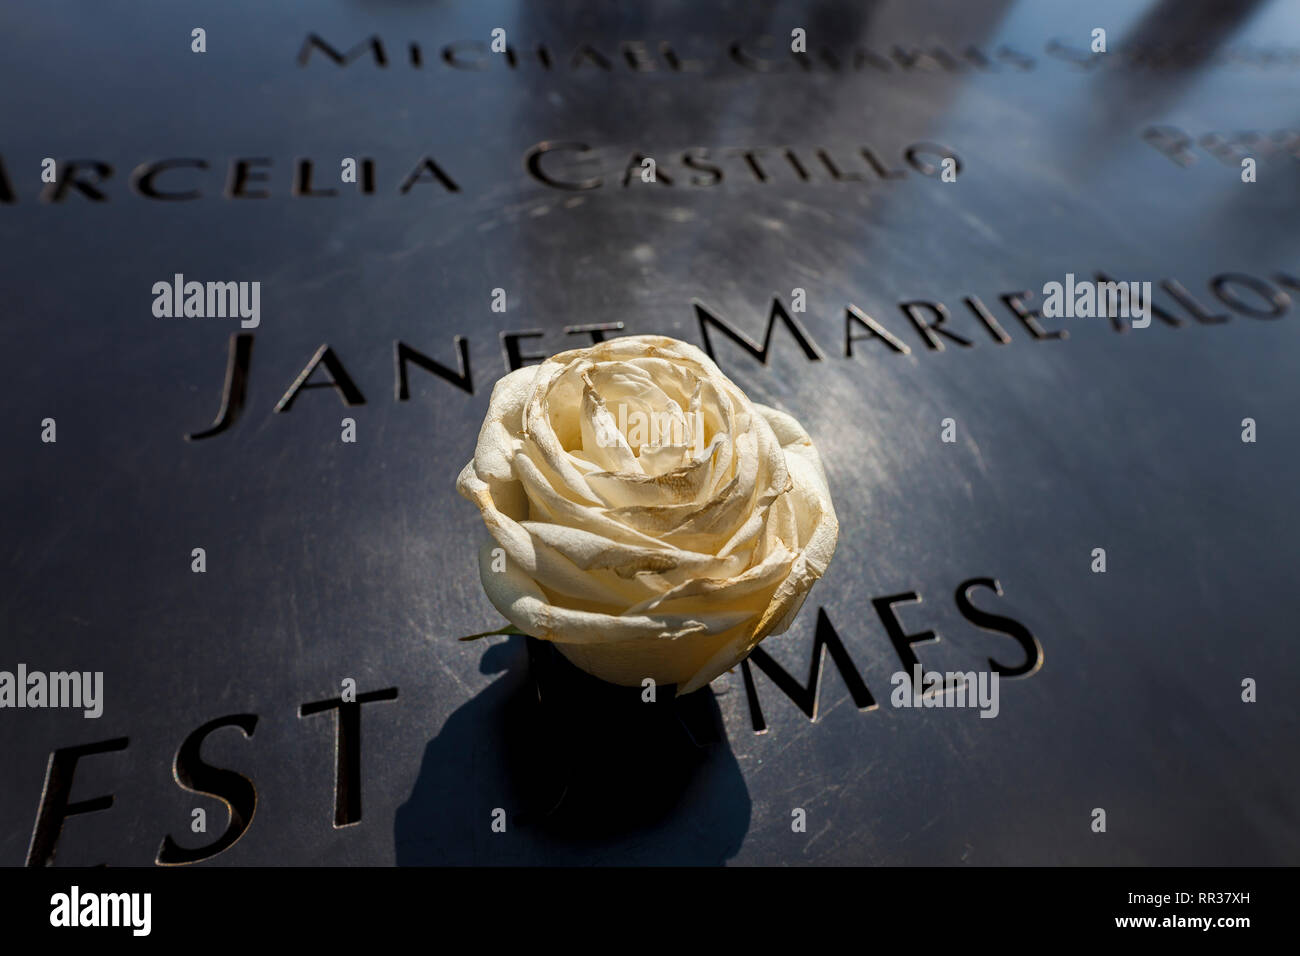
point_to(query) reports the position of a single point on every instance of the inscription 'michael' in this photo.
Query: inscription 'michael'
(774, 57)
(764, 54)
(929, 320)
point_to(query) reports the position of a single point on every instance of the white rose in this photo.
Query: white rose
(655, 522)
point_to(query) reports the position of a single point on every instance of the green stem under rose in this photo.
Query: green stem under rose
(508, 629)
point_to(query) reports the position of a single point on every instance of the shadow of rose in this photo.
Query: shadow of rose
(577, 770)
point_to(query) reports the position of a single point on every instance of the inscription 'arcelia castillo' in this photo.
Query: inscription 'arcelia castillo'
(553, 163)
(932, 327)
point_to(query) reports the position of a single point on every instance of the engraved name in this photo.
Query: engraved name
(929, 325)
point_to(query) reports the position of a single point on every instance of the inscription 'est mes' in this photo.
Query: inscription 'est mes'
(239, 795)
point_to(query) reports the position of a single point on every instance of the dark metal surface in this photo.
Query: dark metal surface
(329, 560)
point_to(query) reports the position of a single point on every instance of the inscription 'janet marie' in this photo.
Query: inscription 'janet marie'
(931, 321)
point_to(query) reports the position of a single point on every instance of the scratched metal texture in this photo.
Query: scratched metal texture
(328, 560)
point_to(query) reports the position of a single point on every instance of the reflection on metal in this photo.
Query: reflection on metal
(1112, 510)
